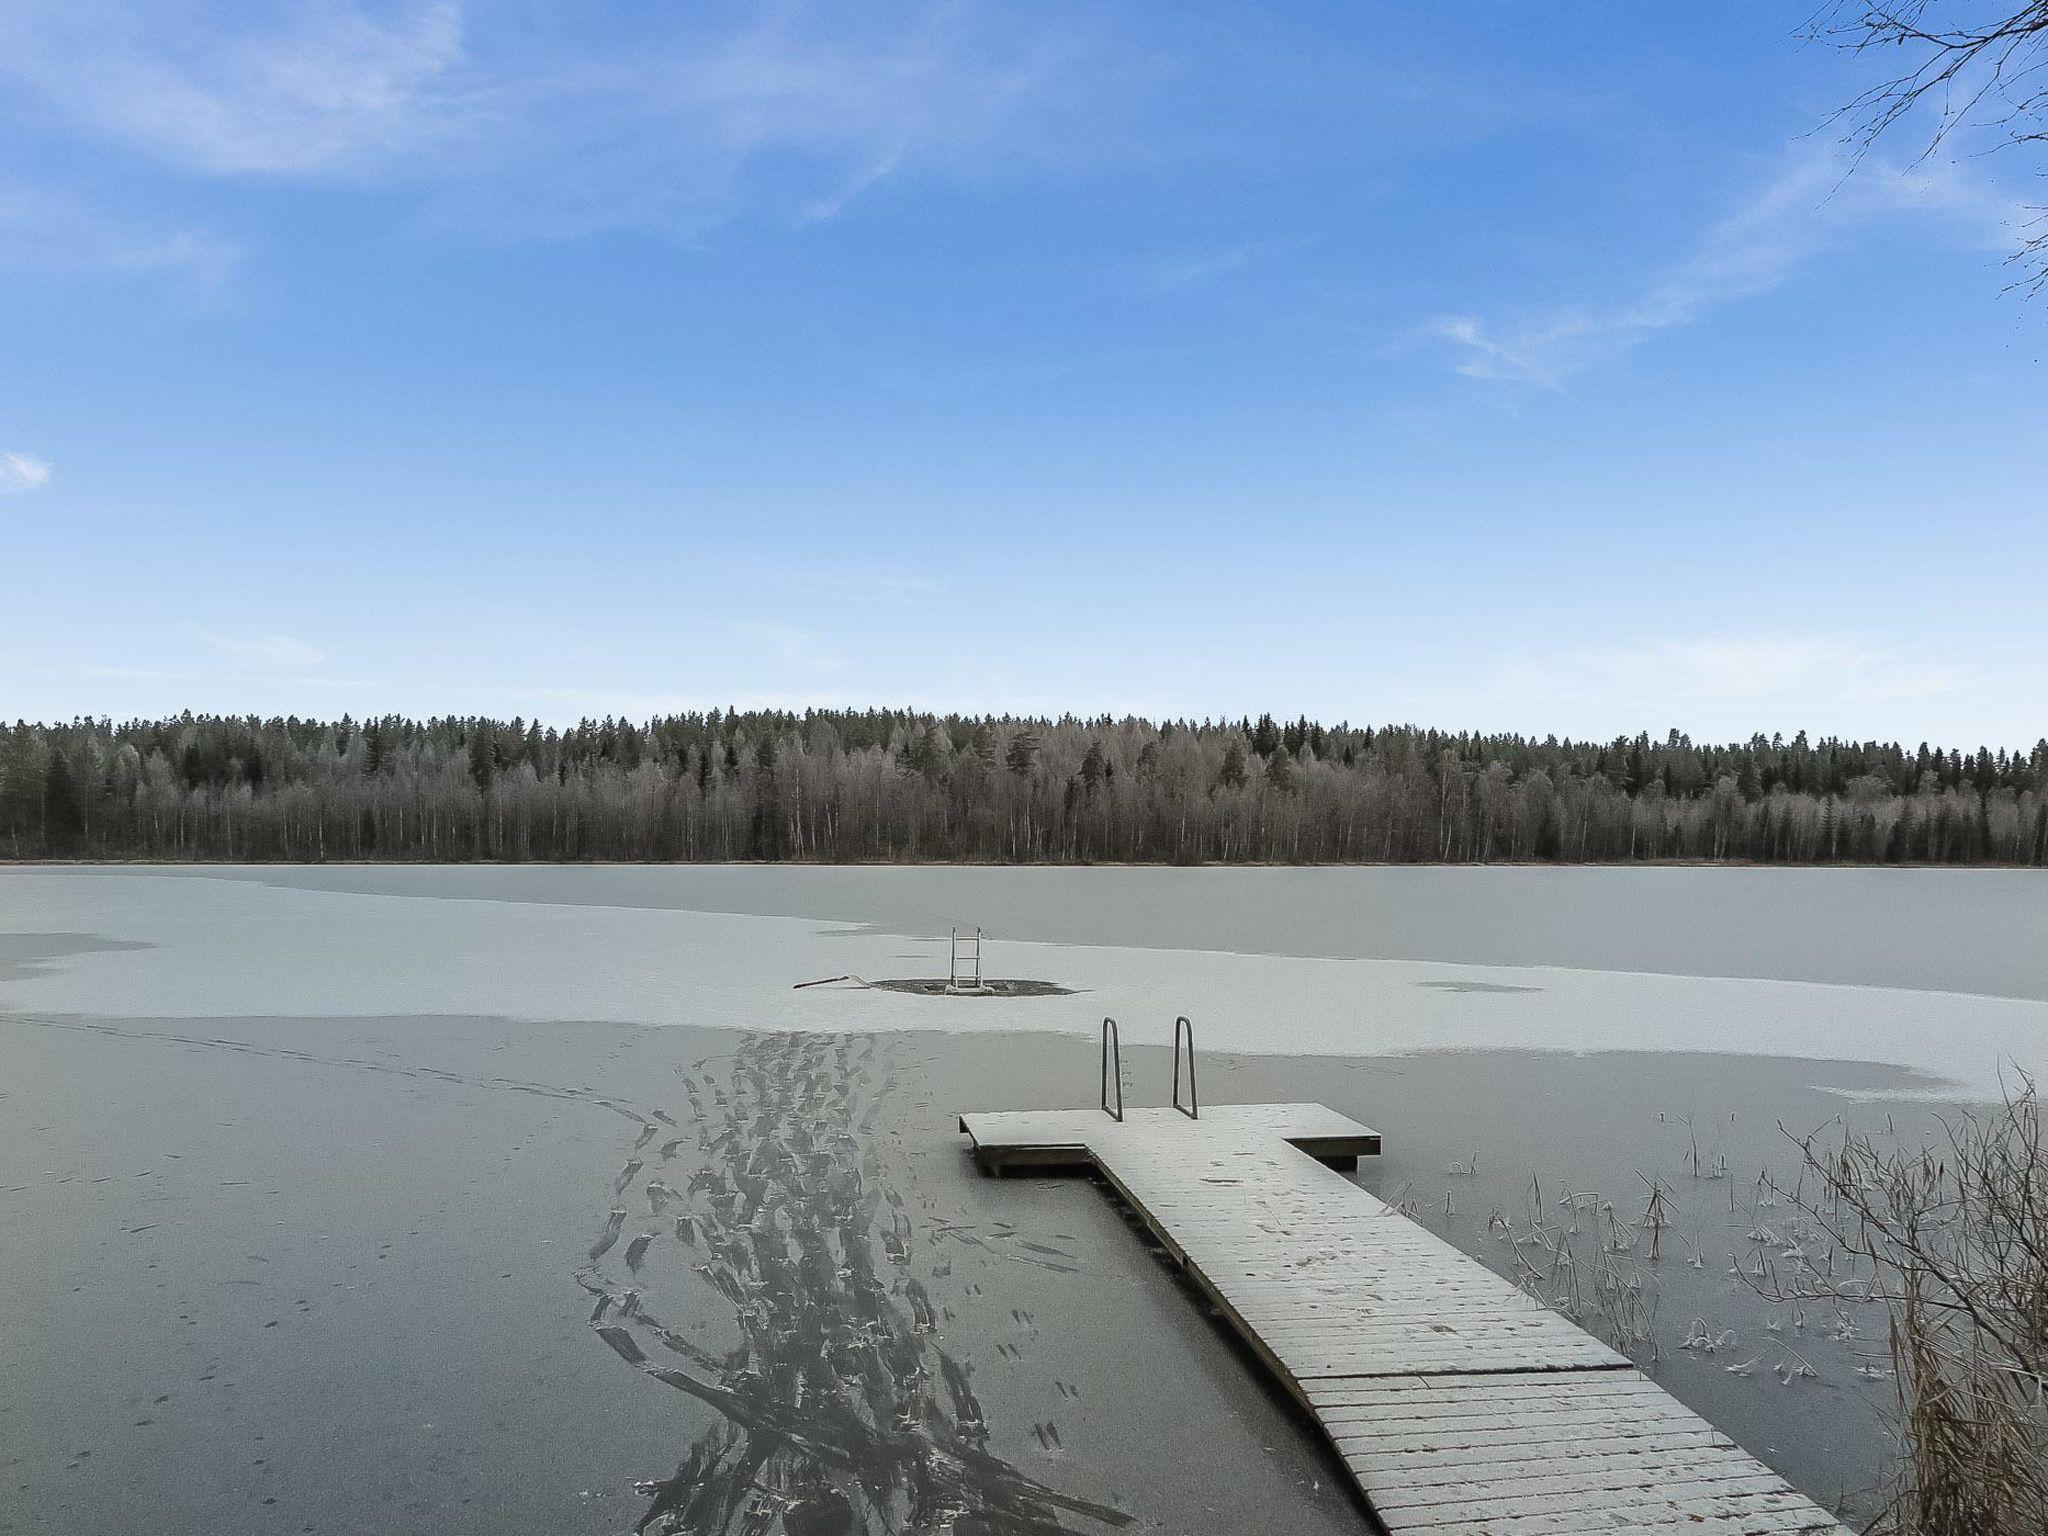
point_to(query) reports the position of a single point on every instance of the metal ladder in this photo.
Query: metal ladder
(1113, 1069)
(964, 968)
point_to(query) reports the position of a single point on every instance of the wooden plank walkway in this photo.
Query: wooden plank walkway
(1460, 1404)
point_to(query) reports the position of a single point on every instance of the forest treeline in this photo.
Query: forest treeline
(899, 785)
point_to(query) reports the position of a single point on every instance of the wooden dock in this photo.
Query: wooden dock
(1459, 1404)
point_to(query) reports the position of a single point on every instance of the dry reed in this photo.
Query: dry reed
(1954, 1238)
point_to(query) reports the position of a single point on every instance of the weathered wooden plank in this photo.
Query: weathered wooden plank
(1483, 1392)
(1519, 1443)
(1578, 1468)
(1426, 1461)
(1759, 1521)
(1557, 1419)
(1750, 1523)
(1472, 1394)
(1556, 1422)
(1631, 1509)
(1526, 1489)
(1440, 1325)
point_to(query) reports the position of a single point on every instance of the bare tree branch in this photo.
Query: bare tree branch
(1988, 73)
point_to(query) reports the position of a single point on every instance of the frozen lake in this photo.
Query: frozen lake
(474, 1151)
(1944, 973)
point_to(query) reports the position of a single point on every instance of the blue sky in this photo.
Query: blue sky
(1499, 367)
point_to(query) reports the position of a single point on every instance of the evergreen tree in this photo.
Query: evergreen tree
(1231, 775)
(63, 813)
(483, 756)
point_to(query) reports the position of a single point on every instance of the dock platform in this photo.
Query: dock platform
(1460, 1405)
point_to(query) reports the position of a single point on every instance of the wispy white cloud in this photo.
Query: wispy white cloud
(263, 652)
(831, 204)
(1813, 201)
(19, 472)
(793, 648)
(246, 88)
(120, 674)
(1681, 673)
(57, 232)
(678, 122)
(1193, 271)
(869, 586)
(231, 690)
(1196, 269)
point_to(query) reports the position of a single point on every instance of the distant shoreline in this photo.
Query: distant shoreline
(897, 787)
(1212, 864)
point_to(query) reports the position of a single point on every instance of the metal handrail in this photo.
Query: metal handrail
(1193, 1108)
(1112, 1049)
